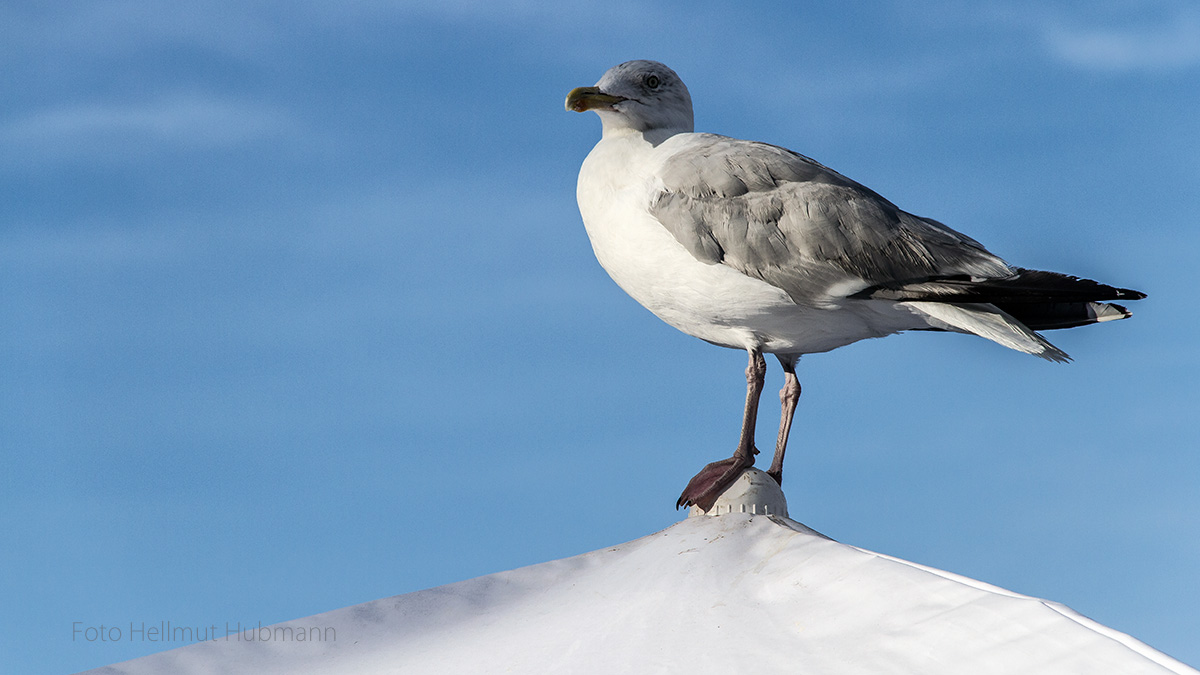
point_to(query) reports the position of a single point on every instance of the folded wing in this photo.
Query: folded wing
(783, 218)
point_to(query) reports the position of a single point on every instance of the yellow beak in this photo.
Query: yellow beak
(582, 99)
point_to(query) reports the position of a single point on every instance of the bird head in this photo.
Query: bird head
(640, 96)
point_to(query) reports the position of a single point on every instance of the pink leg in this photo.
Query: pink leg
(789, 396)
(706, 486)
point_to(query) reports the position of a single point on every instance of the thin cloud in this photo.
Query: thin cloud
(1097, 35)
(120, 129)
(1170, 44)
(1108, 36)
(61, 32)
(249, 29)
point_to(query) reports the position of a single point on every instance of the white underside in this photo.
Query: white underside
(713, 302)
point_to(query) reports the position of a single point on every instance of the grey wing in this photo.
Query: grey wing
(778, 216)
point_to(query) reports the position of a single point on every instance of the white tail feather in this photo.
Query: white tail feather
(987, 321)
(1103, 312)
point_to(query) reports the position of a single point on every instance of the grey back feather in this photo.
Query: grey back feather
(781, 217)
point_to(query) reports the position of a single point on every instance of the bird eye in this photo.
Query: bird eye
(652, 82)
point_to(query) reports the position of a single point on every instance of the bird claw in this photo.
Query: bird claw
(704, 488)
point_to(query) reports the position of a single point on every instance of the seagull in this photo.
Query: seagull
(754, 247)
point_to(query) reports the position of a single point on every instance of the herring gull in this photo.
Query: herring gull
(754, 247)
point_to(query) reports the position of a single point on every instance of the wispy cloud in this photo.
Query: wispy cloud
(188, 121)
(248, 29)
(70, 29)
(1097, 35)
(1164, 43)
(1116, 36)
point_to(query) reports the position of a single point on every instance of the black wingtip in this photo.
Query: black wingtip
(1023, 287)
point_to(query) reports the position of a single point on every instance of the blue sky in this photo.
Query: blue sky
(298, 311)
